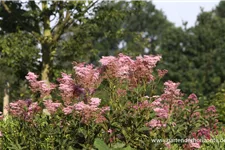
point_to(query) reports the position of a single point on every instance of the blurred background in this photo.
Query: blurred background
(45, 37)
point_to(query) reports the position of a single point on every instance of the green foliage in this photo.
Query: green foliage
(217, 142)
(100, 145)
(47, 132)
(218, 101)
(18, 54)
(194, 56)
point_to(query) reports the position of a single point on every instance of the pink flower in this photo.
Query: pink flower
(68, 110)
(1, 135)
(180, 102)
(110, 131)
(171, 87)
(155, 124)
(117, 67)
(196, 115)
(193, 99)
(211, 109)
(194, 145)
(168, 145)
(157, 102)
(161, 73)
(41, 86)
(95, 102)
(23, 109)
(91, 111)
(80, 106)
(124, 59)
(67, 88)
(192, 96)
(204, 132)
(161, 112)
(149, 60)
(107, 60)
(104, 109)
(31, 76)
(44, 88)
(51, 107)
(87, 76)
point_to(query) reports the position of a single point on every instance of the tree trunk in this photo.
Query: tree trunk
(6, 99)
(46, 62)
(46, 44)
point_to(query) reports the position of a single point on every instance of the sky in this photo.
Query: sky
(178, 11)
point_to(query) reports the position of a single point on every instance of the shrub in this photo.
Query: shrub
(115, 103)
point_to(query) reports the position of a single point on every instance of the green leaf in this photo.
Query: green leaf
(143, 129)
(100, 145)
(128, 148)
(118, 145)
(70, 148)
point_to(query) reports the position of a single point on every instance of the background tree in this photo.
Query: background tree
(18, 55)
(49, 35)
(46, 21)
(195, 56)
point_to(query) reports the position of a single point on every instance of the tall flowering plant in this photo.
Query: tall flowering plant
(115, 102)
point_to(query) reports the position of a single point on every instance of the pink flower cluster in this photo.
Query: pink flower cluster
(89, 111)
(163, 105)
(154, 123)
(161, 73)
(135, 71)
(116, 67)
(51, 106)
(24, 109)
(41, 86)
(202, 132)
(68, 89)
(87, 76)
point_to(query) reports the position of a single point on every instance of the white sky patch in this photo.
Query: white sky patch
(179, 11)
(122, 44)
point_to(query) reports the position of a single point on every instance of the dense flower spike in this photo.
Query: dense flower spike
(135, 71)
(51, 107)
(117, 67)
(87, 76)
(88, 112)
(155, 124)
(32, 78)
(25, 110)
(106, 60)
(67, 88)
(41, 86)
(161, 73)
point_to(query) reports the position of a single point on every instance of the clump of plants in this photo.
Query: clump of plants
(114, 106)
